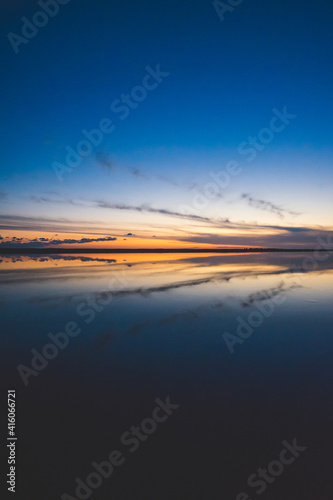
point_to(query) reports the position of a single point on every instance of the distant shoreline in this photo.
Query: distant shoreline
(33, 251)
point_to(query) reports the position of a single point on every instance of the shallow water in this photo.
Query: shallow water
(151, 326)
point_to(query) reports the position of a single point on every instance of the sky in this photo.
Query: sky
(203, 125)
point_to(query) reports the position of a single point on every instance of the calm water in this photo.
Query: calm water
(153, 326)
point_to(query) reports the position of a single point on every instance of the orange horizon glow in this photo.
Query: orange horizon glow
(120, 244)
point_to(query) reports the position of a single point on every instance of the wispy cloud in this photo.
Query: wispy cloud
(104, 159)
(167, 180)
(46, 242)
(275, 237)
(56, 199)
(52, 225)
(144, 208)
(138, 173)
(148, 209)
(267, 206)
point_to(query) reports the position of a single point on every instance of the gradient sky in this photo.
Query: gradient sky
(140, 186)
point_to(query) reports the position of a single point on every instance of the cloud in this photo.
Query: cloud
(138, 173)
(167, 180)
(45, 242)
(104, 159)
(51, 225)
(148, 209)
(282, 237)
(82, 240)
(239, 233)
(217, 222)
(43, 199)
(267, 206)
(142, 208)
(56, 200)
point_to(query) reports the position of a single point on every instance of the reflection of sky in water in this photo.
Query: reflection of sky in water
(161, 334)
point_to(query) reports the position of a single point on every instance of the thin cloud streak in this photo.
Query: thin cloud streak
(267, 206)
(148, 209)
(46, 242)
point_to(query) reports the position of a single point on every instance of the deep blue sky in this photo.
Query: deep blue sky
(225, 79)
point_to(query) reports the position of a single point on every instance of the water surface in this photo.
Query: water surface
(152, 326)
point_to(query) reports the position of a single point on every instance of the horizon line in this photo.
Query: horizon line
(153, 250)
